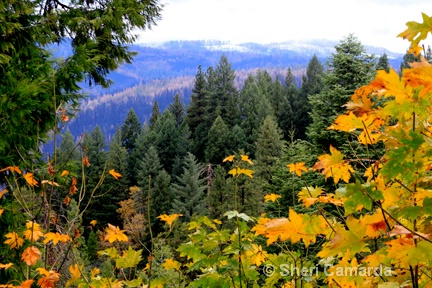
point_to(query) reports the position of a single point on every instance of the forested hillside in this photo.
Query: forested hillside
(163, 70)
(314, 177)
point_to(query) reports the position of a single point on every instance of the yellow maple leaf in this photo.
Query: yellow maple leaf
(271, 197)
(417, 31)
(75, 271)
(257, 254)
(390, 84)
(64, 173)
(245, 158)
(31, 255)
(33, 232)
(13, 240)
(360, 101)
(237, 171)
(297, 168)
(171, 264)
(56, 237)
(93, 222)
(229, 158)
(169, 219)
(6, 266)
(115, 174)
(1, 211)
(30, 179)
(113, 233)
(333, 165)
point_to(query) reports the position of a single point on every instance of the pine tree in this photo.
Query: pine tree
(312, 84)
(154, 114)
(218, 136)
(219, 195)
(100, 204)
(67, 153)
(177, 109)
(129, 133)
(189, 191)
(383, 63)
(237, 140)
(117, 160)
(281, 106)
(162, 197)
(349, 68)
(130, 130)
(254, 108)
(268, 148)
(224, 94)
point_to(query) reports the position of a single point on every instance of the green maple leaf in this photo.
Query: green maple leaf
(130, 258)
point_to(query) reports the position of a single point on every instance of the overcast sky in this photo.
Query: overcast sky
(373, 22)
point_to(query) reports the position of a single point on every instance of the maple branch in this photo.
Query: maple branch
(394, 219)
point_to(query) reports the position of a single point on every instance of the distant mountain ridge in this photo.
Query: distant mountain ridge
(160, 70)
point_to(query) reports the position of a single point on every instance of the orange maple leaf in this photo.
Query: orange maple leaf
(3, 192)
(113, 233)
(115, 174)
(48, 279)
(85, 161)
(12, 169)
(64, 173)
(26, 284)
(30, 179)
(297, 168)
(31, 255)
(334, 166)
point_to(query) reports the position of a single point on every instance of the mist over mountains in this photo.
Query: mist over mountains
(160, 70)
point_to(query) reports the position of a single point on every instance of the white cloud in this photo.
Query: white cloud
(374, 22)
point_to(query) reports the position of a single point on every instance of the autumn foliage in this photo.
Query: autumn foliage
(372, 229)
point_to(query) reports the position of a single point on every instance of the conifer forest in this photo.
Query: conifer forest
(268, 180)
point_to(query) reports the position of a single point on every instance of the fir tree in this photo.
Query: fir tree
(130, 130)
(383, 63)
(162, 197)
(177, 109)
(349, 68)
(154, 114)
(189, 191)
(218, 136)
(268, 148)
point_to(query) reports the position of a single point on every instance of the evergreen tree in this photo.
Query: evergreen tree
(237, 140)
(281, 106)
(254, 108)
(218, 136)
(219, 194)
(101, 206)
(172, 142)
(312, 84)
(154, 114)
(268, 148)
(223, 95)
(130, 130)
(117, 160)
(196, 115)
(129, 134)
(177, 109)
(34, 84)
(189, 192)
(67, 153)
(162, 197)
(349, 68)
(383, 63)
